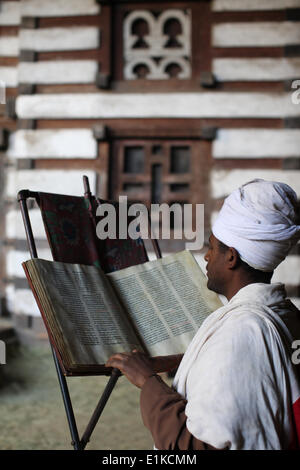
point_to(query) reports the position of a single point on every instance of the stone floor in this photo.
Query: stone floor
(32, 412)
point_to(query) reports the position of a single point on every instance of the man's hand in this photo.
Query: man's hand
(136, 366)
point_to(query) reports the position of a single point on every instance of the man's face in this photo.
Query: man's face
(215, 267)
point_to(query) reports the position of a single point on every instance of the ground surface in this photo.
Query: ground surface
(32, 412)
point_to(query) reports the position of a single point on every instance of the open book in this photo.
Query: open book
(156, 307)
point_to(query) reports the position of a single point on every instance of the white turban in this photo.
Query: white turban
(259, 220)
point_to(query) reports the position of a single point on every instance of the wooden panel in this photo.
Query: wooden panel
(248, 163)
(201, 38)
(248, 52)
(169, 105)
(103, 169)
(10, 61)
(120, 128)
(9, 30)
(62, 21)
(254, 16)
(276, 86)
(256, 34)
(66, 88)
(89, 54)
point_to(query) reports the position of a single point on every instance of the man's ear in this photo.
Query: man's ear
(232, 258)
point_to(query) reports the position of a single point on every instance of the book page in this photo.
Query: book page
(80, 304)
(167, 300)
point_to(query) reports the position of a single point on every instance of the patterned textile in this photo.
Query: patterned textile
(70, 225)
(238, 376)
(118, 254)
(69, 228)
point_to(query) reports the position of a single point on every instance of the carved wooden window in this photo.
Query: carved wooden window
(155, 171)
(157, 46)
(157, 43)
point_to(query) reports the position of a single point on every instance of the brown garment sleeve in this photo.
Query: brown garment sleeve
(163, 413)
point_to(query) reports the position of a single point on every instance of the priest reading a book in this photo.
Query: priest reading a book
(237, 385)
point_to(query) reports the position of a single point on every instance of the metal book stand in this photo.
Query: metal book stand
(77, 442)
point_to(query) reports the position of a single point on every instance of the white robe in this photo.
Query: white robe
(237, 375)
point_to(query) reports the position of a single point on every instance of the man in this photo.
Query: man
(236, 386)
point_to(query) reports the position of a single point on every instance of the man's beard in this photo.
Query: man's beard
(214, 286)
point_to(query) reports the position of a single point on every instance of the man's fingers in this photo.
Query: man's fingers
(116, 360)
(121, 360)
(134, 365)
(113, 363)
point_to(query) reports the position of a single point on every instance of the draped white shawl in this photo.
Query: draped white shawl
(237, 374)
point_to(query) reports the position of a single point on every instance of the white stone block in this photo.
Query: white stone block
(14, 225)
(223, 182)
(9, 75)
(9, 46)
(156, 105)
(52, 181)
(296, 301)
(288, 271)
(244, 5)
(256, 34)
(61, 143)
(9, 13)
(21, 301)
(59, 8)
(14, 260)
(58, 72)
(213, 217)
(60, 39)
(256, 143)
(249, 69)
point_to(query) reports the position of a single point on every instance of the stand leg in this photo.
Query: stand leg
(99, 408)
(68, 405)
